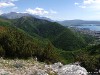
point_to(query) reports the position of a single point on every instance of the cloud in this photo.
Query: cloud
(87, 2)
(92, 4)
(40, 11)
(7, 3)
(82, 6)
(8, 0)
(37, 11)
(76, 3)
(13, 0)
(4, 4)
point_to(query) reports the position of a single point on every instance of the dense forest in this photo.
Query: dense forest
(48, 41)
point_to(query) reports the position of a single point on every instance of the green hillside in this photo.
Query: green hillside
(89, 57)
(16, 44)
(60, 36)
(48, 41)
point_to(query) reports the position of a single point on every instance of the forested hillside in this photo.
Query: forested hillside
(89, 57)
(14, 43)
(60, 36)
(48, 41)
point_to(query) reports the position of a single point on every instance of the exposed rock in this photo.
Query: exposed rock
(3, 72)
(31, 67)
(72, 70)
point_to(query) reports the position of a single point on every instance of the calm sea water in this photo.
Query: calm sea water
(91, 27)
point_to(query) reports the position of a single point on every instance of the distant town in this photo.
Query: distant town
(94, 33)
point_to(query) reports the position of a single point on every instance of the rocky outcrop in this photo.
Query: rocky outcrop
(31, 67)
(72, 69)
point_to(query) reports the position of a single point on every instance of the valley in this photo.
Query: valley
(49, 37)
(27, 37)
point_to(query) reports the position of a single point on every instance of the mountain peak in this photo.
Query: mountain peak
(13, 12)
(14, 15)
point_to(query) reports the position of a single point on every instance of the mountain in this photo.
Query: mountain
(60, 36)
(77, 22)
(15, 43)
(14, 15)
(50, 42)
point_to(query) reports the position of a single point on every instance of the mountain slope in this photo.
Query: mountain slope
(50, 30)
(16, 44)
(77, 22)
(89, 58)
(31, 37)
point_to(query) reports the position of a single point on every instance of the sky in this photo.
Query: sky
(54, 9)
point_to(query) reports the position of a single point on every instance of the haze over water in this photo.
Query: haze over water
(91, 27)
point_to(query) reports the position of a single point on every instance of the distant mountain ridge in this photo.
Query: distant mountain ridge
(14, 15)
(77, 22)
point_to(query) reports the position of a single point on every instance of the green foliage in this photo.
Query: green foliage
(88, 39)
(4, 22)
(2, 52)
(28, 24)
(30, 37)
(16, 44)
(60, 36)
(68, 41)
(89, 57)
(50, 30)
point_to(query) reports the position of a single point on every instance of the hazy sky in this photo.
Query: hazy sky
(55, 9)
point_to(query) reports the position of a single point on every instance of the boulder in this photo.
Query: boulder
(70, 69)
